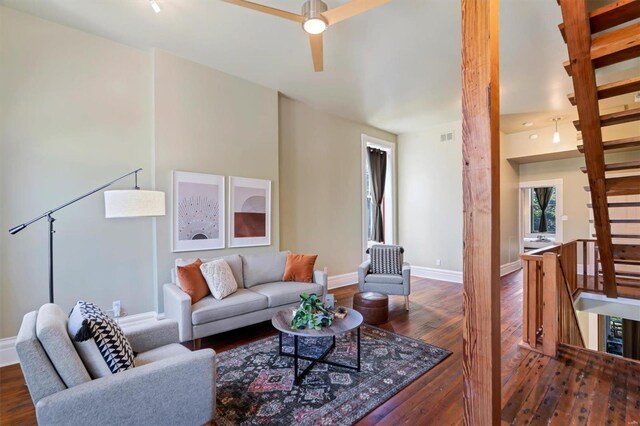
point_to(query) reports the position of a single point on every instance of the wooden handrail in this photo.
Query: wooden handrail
(550, 279)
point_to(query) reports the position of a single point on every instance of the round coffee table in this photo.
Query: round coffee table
(282, 322)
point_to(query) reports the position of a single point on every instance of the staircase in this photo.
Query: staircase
(596, 39)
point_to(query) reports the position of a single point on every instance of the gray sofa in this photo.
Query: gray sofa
(169, 385)
(261, 293)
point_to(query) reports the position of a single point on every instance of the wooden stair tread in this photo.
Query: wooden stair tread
(613, 89)
(620, 220)
(631, 142)
(625, 185)
(626, 252)
(627, 165)
(625, 204)
(627, 282)
(622, 236)
(614, 118)
(610, 16)
(614, 46)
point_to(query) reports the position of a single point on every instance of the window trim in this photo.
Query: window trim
(523, 202)
(390, 196)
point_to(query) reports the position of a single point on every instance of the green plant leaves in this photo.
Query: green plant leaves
(311, 314)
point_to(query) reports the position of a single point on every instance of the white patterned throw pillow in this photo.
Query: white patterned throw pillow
(219, 278)
(99, 340)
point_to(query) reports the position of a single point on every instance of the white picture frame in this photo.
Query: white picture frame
(195, 223)
(249, 212)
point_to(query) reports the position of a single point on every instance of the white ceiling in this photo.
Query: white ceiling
(396, 67)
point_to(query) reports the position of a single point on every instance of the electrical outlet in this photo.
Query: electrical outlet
(116, 309)
(438, 262)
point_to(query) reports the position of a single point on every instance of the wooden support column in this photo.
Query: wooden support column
(481, 187)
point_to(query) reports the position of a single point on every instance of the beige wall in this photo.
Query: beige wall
(321, 185)
(509, 199)
(210, 122)
(430, 197)
(75, 112)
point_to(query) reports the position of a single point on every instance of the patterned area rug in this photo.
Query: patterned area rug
(256, 385)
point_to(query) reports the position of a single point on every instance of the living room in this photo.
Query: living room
(91, 91)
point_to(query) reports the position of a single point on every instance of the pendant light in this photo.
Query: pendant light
(556, 134)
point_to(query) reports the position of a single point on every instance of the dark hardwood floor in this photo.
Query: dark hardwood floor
(577, 388)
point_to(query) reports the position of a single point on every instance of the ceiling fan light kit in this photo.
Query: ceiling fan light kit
(314, 22)
(315, 18)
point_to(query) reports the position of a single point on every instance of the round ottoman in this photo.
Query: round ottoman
(374, 307)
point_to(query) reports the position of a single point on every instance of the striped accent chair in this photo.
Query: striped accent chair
(386, 272)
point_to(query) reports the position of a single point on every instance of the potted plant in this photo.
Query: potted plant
(311, 313)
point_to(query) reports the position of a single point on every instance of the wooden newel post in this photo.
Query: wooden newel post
(481, 187)
(550, 304)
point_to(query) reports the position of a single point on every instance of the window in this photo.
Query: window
(536, 211)
(389, 199)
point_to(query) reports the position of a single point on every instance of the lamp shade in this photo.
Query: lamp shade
(133, 203)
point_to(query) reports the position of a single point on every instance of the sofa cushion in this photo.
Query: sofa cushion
(299, 267)
(286, 292)
(234, 261)
(263, 268)
(383, 279)
(158, 354)
(219, 278)
(241, 302)
(51, 330)
(192, 281)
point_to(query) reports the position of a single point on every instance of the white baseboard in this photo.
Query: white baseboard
(343, 280)
(508, 268)
(9, 356)
(8, 353)
(437, 274)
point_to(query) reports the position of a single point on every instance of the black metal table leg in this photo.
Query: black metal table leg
(295, 359)
(358, 348)
(320, 359)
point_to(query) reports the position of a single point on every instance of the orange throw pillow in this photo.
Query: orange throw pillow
(300, 267)
(192, 281)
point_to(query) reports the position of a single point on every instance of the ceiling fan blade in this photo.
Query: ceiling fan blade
(269, 10)
(353, 8)
(315, 41)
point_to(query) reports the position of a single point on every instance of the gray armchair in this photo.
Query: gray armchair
(399, 285)
(169, 385)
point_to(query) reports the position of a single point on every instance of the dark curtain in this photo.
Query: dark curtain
(544, 195)
(378, 175)
(630, 339)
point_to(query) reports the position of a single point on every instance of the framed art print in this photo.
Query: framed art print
(250, 212)
(198, 209)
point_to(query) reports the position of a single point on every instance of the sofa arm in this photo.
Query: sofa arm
(147, 336)
(176, 390)
(320, 277)
(363, 271)
(177, 306)
(406, 278)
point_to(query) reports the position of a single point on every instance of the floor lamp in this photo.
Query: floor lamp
(121, 203)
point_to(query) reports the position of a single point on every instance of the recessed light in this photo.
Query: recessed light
(533, 136)
(154, 6)
(527, 124)
(637, 97)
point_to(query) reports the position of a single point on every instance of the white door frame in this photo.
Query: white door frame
(559, 207)
(390, 197)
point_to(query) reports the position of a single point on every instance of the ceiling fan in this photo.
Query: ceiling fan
(315, 18)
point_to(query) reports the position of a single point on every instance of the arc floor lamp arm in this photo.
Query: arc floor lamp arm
(20, 227)
(48, 215)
